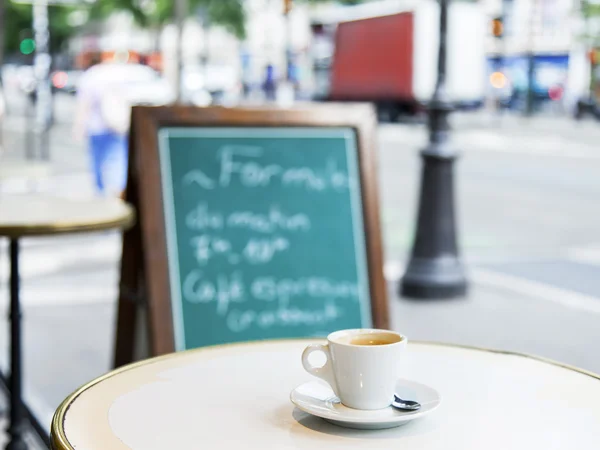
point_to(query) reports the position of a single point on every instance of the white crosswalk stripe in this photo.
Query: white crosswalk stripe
(589, 254)
(567, 298)
(485, 140)
(39, 259)
(498, 140)
(78, 185)
(66, 271)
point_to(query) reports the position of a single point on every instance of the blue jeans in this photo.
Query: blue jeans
(109, 161)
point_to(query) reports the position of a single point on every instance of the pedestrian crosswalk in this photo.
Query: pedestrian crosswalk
(560, 142)
(589, 254)
(556, 145)
(76, 185)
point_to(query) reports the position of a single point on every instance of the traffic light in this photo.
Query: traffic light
(27, 46)
(497, 27)
(26, 42)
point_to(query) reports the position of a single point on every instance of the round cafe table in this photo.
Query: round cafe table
(39, 215)
(237, 396)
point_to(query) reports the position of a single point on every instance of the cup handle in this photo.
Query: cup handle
(326, 371)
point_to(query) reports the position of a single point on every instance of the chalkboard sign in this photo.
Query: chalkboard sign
(255, 224)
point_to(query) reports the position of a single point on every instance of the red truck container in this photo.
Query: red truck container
(391, 59)
(373, 59)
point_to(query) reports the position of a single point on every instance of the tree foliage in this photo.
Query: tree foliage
(230, 14)
(589, 9)
(590, 12)
(156, 13)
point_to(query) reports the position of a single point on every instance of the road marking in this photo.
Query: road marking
(524, 144)
(45, 268)
(501, 142)
(73, 186)
(48, 295)
(563, 297)
(586, 255)
(54, 259)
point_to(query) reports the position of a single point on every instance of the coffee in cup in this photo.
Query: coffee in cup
(362, 366)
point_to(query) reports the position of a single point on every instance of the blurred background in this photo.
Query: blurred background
(523, 76)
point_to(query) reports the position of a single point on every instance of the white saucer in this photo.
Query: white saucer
(317, 398)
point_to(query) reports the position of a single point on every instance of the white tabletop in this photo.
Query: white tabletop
(237, 397)
(28, 215)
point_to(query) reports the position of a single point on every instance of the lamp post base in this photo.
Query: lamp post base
(585, 106)
(434, 279)
(435, 269)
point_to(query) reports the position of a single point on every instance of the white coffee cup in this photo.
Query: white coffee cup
(362, 366)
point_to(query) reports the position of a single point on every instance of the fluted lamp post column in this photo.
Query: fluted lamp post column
(435, 269)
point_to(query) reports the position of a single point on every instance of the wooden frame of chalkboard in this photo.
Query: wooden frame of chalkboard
(145, 295)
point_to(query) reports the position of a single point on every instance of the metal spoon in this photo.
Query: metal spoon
(406, 405)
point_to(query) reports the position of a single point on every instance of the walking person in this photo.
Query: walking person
(270, 83)
(102, 119)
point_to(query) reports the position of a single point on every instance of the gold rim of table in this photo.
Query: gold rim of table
(59, 440)
(123, 222)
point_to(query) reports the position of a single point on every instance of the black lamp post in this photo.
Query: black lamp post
(586, 103)
(434, 269)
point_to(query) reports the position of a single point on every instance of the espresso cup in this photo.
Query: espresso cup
(362, 366)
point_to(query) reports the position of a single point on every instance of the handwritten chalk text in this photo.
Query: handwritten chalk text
(202, 218)
(227, 289)
(240, 163)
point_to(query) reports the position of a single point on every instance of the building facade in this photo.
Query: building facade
(542, 40)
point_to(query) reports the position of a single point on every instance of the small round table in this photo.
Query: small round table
(237, 396)
(38, 215)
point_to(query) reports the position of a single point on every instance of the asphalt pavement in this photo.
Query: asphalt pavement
(529, 232)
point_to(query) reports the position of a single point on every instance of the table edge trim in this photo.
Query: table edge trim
(18, 231)
(59, 440)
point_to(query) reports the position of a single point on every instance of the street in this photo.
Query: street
(527, 194)
(529, 223)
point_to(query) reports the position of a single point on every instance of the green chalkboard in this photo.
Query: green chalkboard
(264, 230)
